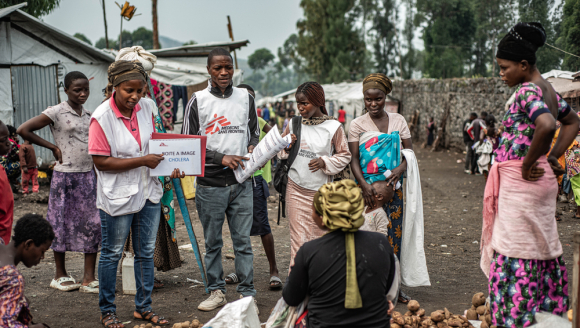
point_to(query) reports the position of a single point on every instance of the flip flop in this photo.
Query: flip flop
(58, 284)
(232, 278)
(404, 298)
(275, 283)
(91, 288)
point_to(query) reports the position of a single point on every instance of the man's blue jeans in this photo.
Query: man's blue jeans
(236, 203)
(115, 230)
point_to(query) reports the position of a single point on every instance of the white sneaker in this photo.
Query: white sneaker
(255, 304)
(216, 299)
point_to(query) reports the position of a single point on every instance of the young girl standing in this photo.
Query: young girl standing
(72, 210)
(323, 154)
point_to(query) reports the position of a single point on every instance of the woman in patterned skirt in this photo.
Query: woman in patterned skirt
(521, 250)
(72, 209)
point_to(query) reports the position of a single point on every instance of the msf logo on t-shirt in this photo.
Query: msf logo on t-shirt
(215, 125)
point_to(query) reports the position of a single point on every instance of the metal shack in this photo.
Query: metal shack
(34, 58)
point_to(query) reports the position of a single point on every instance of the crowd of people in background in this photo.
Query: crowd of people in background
(346, 194)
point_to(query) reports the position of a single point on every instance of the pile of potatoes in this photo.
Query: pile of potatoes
(415, 318)
(480, 311)
(194, 324)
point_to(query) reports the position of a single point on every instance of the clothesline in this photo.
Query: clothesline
(562, 50)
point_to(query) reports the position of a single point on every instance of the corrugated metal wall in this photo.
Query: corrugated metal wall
(34, 88)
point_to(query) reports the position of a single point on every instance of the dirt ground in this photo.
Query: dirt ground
(452, 207)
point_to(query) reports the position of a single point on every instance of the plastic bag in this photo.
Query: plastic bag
(548, 320)
(238, 314)
(284, 315)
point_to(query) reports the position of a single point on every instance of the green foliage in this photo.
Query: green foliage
(35, 8)
(539, 11)
(448, 36)
(260, 59)
(329, 42)
(189, 43)
(385, 43)
(100, 44)
(494, 18)
(140, 37)
(82, 37)
(569, 38)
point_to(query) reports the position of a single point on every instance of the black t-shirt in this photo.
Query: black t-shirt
(319, 271)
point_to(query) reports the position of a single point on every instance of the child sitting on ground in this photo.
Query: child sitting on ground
(28, 166)
(33, 236)
(376, 218)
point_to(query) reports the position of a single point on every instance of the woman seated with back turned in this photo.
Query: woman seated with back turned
(336, 298)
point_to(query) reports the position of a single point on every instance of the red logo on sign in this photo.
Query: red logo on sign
(163, 145)
(215, 125)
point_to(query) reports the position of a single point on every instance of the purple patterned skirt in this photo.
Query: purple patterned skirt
(519, 288)
(73, 213)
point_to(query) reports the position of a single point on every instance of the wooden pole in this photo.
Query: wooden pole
(231, 32)
(155, 27)
(105, 19)
(121, 35)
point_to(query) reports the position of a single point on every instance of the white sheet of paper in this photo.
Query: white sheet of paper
(270, 145)
(183, 154)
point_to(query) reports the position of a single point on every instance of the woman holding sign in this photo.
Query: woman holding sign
(127, 195)
(323, 154)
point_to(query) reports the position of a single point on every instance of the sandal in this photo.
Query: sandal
(232, 278)
(275, 283)
(157, 283)
(109, 319)
(404, 298)
(58, 284)
(149, 316)
(91, 288)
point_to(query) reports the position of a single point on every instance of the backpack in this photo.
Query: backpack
(281, 175)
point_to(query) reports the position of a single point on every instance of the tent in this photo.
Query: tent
(34, 59)
(566, 85)
(349, 95)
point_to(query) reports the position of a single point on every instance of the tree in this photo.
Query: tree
(329, 41)
(260, 59)
(410, 59)
(155, 26)
(447, 36)
(35, 8)
(82, 37)
(494, 18)
(385, 45)
(539, 11)
(142, 37)
(569, 38)
(101, 44)
(126, 39)
(189, 43)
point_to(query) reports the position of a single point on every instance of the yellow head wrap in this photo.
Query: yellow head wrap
(378, 81)
(341, 206)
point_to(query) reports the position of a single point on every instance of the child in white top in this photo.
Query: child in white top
(376, 218)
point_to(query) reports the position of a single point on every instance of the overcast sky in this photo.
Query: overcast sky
(266, 23)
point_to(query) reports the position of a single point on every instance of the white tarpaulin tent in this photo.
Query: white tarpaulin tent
(34, 58)
(346, 94)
